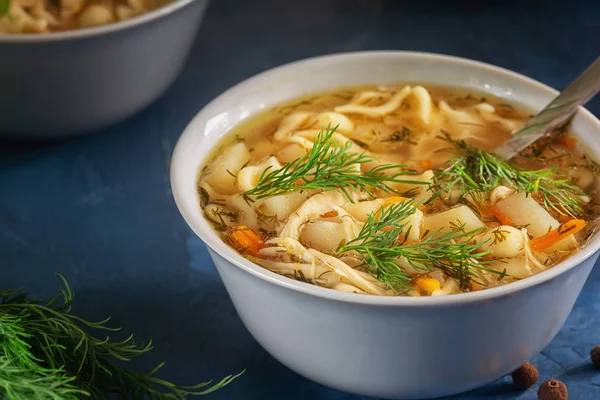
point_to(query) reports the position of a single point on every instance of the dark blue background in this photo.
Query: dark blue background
(99, 209)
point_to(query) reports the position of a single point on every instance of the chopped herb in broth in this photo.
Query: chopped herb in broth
(394, 191)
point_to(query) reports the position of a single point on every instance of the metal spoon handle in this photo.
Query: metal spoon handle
(579, 92)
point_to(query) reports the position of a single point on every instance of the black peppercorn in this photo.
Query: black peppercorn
(553, 389)
(525, 377)
(595, 355)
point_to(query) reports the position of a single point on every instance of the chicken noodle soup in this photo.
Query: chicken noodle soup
(394, 191)
(44, 16)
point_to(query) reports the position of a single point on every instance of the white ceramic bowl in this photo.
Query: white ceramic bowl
(78, 81)
(391, 347)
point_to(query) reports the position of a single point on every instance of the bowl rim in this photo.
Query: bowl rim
(84, 33)
(216, 244)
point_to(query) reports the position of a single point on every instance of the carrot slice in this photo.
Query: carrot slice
(424, 164)
(500, 216)
(241, 242)
(253, 236)
(398, 199)
(393, 200)
(427, 285)
(245, 240)
(568, 142)
(330, 214)
(556, 235)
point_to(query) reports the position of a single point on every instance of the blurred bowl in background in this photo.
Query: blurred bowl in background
(78, 81)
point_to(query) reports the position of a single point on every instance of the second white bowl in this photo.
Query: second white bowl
(83, 80)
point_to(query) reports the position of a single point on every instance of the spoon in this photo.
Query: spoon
(558, 112)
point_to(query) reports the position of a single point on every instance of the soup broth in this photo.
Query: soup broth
(393, 190)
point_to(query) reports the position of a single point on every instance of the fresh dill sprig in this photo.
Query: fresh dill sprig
(383, 240)
(22, 375)
(47, 353)
(401, 136)
(477, 171)
(329, 166)
(4, 7)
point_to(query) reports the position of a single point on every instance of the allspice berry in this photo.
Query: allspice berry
(595, 355)
(553, 389)
(525, 377)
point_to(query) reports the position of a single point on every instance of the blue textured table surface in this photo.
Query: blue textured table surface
(99, 209)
